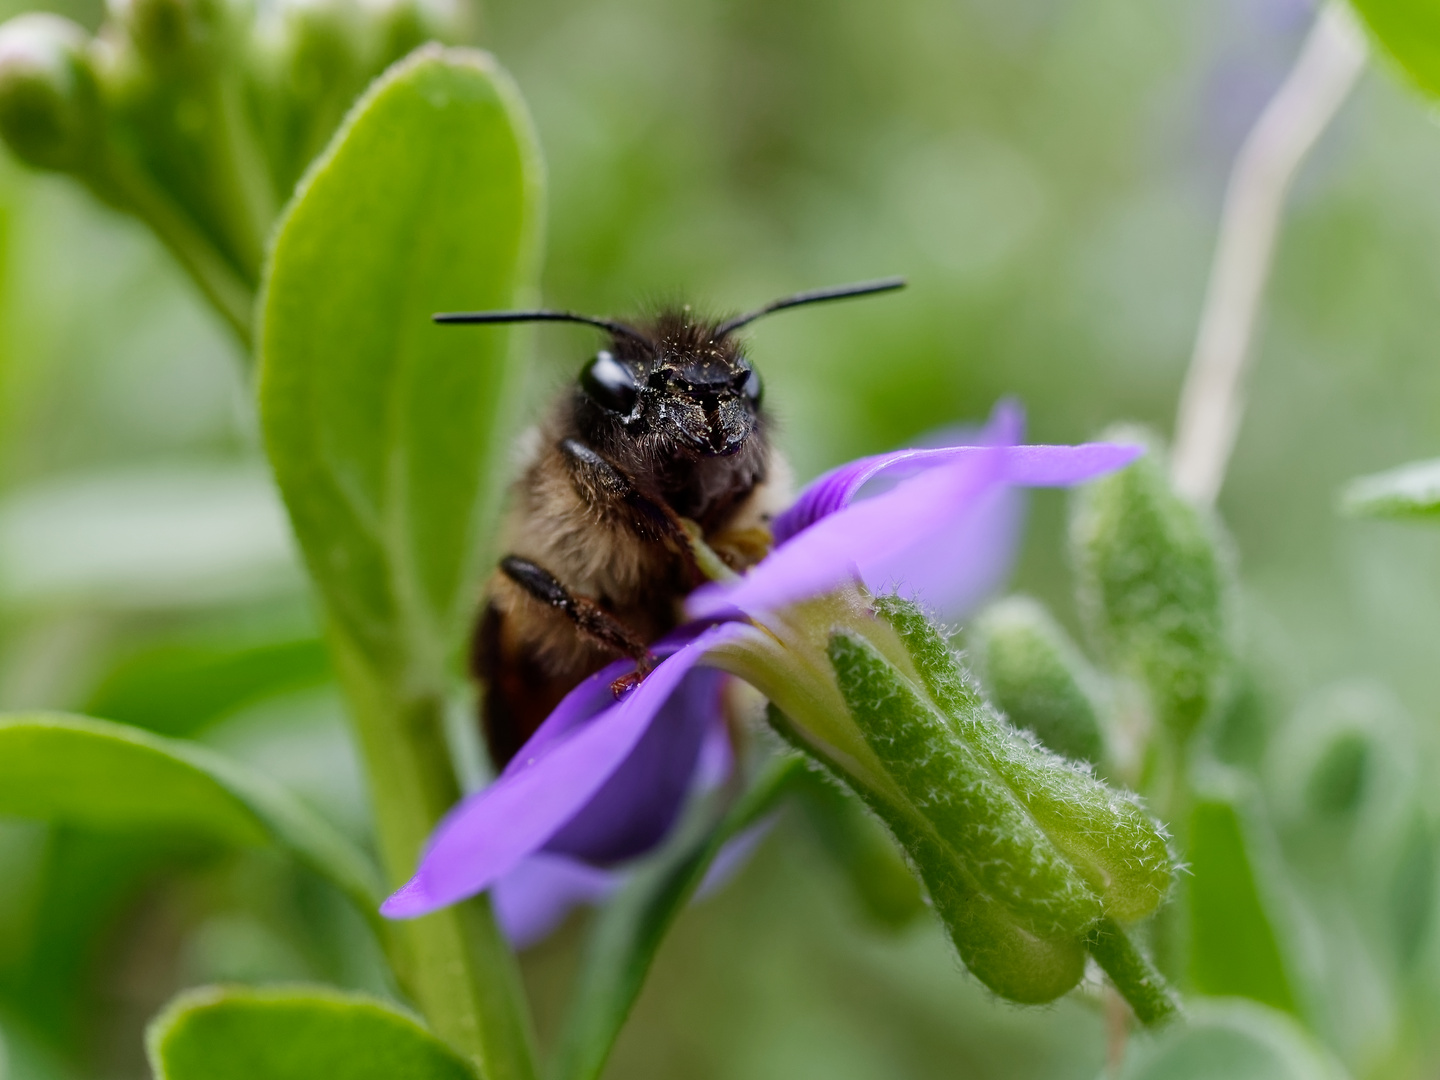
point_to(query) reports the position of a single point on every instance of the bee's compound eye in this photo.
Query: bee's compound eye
(753, 388)
(609, 383)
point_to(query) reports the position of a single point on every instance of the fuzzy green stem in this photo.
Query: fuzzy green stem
(454, 963)
(1140, 984)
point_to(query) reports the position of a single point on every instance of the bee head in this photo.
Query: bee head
(678, 382)
(682, 383)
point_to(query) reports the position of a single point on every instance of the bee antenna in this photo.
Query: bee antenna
(814, 296)
(542, 316)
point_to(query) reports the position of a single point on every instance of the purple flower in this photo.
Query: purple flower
(602, 781)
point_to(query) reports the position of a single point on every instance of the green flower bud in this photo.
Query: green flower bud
(1154, 588)
(1037, 677)
(1105, 834)
(49, 110)
(173, 33)
(995, 946)
(970, 811)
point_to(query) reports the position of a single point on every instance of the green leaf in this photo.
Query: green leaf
(1411, 491)
(299, 1033)
(1231, 1041)
(108, 776)
(1409, 30)
(631, 927)
(386, 431)
(1234, 948)
(387, 435)
(178, 687)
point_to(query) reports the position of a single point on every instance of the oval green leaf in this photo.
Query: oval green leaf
(114, 777)
(384, 429)
(1411, 491)
(294, 1033)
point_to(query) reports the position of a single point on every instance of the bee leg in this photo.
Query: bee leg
(606, 488)
(588, 616)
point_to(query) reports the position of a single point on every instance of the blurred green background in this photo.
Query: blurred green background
(1048, 174)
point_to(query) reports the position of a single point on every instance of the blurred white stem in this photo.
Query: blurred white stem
(1211, 402)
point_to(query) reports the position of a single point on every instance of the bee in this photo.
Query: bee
(663, 430)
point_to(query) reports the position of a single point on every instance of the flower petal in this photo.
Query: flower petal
(837, 488)
(488, 834)
(638, 804)
(868, 538)
(1027, 466)
(945, 533)
(532, 899)
(954, 572)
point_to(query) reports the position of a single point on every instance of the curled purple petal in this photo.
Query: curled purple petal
(1027, 466)
(944, 533)
(868, 539)
(638, 804)
(533, 898)
(488, 834)
(953, 573)
(587, 701)
(1062, 466)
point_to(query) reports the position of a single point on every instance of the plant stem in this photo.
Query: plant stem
(1132, 974)
(454, 963)
(1211, 402)
(121, 183)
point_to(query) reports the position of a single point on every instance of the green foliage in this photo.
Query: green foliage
(79, 771)
(386, 432)
(1231, 1041)
(199, 116)
(386, 435)
(180, 687)
(628, 933)
(1409, 30)
(857, 843)
(299, 1033)
(1036, 676)
(1235, 949)
(1411, 491)
(1154, 588)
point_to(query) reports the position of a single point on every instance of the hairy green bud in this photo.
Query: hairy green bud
(1105, 834)
(971, 811)
(1037, 677)
(49, 108)
(1015, 910)
(996, 947)
(1153, 587)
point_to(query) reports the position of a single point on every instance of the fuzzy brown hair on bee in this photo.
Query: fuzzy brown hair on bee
(664, 430)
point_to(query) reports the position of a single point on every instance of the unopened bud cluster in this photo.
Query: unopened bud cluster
(199, 116)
